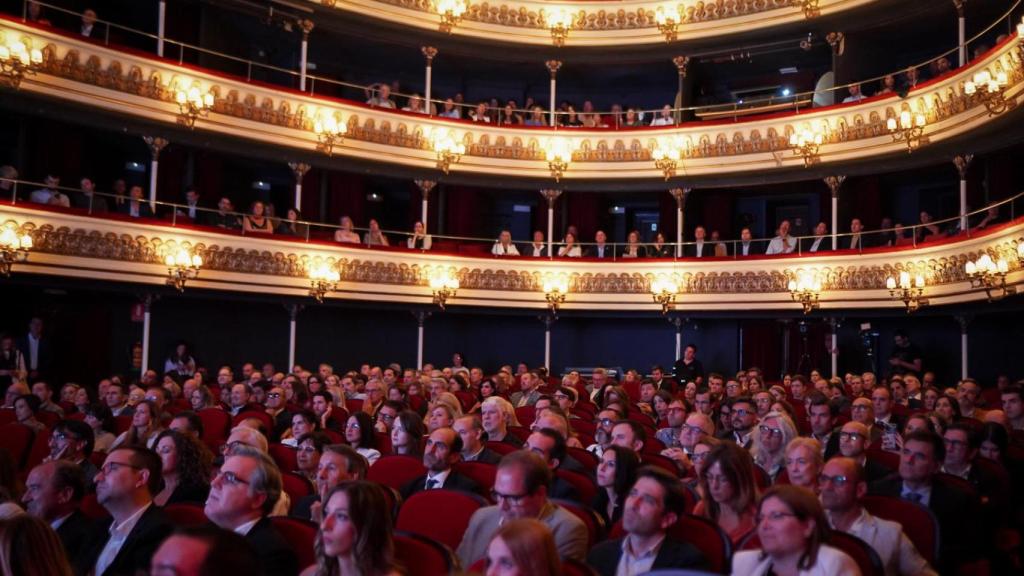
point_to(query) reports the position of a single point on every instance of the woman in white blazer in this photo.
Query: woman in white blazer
(792, 527)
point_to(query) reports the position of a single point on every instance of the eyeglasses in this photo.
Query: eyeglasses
(850, 436)
(306, 449)
(606, 421)
(692, 430)
(273, 394)
(561, 397)
(111, 467)
(773, 517)
(954, 443)
(770, 431)
(698, 456)
(61, 436)
(386, 417)
(231, 478)
(353, 425)
(741, 412)
(512, 499)
(839, 480)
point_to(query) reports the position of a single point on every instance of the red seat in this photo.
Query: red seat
(186, 515)
(395, 471)
(782, 478)
(423, 556)
(890, 460)
(92, 509)
(569, 568)
(353, 405)
(584, 486)
(7, 416)
(77, 416)
(660, 461)
(480, 472)
(216, 425)
(263, 417)
(297, 487)
(122, 424)
(48, 419)
(439, 514)
(383, 442)
(704, 534)
(581, 426)
(300, 535)
(340, 416)
(919, 523)
(587, 459)
(520, 433)
(16, 439)
(284, 456)
(652, 446)
(98, 458)
(762, 478)
(525, 415)
(596, 529)
(502, 447)
(466, 399)
(40, 449)
(861, 552)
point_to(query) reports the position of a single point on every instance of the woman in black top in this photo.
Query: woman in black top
(187, 465)
(616, 474)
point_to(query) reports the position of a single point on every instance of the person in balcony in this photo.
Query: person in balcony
(137, 207)
(415, 105)
(345, 234)
(632, 119)
(380, 96)
(224, 217)
(292, 225)
(537, 248)
(50, 195)
(509, 116)
(571, 119)
(536, 117)
(480, 115)
(257, 221)
(664, 117)
(600, 249)
(928, 231)
(450, 110)
(88, 200)
(783, 243)
(991, 218)
(88, 22)
(888, 85)
(589, 117)
(373, 236)
(570, 249)
(700, 248)
(419, 240)
(659, 249)
(855, 94)
(856, 240)
(820, 242)
(504, 245)
(633, 247)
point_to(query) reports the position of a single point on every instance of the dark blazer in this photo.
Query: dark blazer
(144, 210)
(592, 252)
(228, 221)
(273, 551)
(304, 507)
(958, 515)
(824, 246)
(99, 203)
(45, 359)
(707, 251)
(153, 526)
(454, 481)
(487, 456)
(604, 558)
(75, 533)
(832, 446)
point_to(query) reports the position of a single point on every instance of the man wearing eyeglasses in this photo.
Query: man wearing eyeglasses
(669, 436)
(842, 485)
(696, 427)
(853, 443)
(471, 431)
(521, 491)
(242, 495)
(744, 419)
(125, 486)
(72, 440)
(276, 408)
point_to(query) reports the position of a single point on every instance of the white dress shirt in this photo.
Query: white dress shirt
(438, 479)
(887, 538)
(538, 250)
(244, 529)
(632, 563)
(118, 535)
(500, 249)
(33, 352)
(780, 245)
(817, 243)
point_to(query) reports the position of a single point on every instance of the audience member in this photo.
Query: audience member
(202, 551)
(53, 493)
(616, 473)
(339, 463)
(354, 536)
(31, 548)
(187, 465)
(730, 491)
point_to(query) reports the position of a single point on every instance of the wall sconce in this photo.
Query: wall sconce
(192, 103)
(449, 150)
(667, 155)
(17, 61)
(555, 287)
(990, 275)
(560, 21)
(330, 132)
(668, 18)
(806, 143)
(806, 289)
(443, 286)
(13, 249)
(908, 128)
(451, 12)
(1020, 253)
(990, 89)
(182, 266)
(323, 278)
(909, 290)
(810, 8)
(664, 290)
(558, 153)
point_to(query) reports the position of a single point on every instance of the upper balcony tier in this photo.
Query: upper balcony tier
(966, 108)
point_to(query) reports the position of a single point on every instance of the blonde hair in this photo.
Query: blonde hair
(532, 546)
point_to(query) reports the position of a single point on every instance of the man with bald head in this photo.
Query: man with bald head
(842, 486)
(696, 427)
(853, 443)
(863, 410)
(440, 453)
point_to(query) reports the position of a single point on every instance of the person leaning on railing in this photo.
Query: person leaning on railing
(257, 220)
(345, 234)
(419, 240)
(504, 245)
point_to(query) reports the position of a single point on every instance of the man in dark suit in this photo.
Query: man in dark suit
(550, 445)
(820, 242)
(88, 200)
(37, 350)
(53, 493)
(656, 501)
(600, 249)
(124, 487)
(822, 417)
(441, 451)
(886, 422)
(471, 431)
(853, 443)
(137, 206)
(955, 510)
(700, 248)
(241, 496)
(338, 463)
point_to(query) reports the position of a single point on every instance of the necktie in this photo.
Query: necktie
(913, 497)
(431, 484)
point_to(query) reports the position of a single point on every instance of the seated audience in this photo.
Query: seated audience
(616, 473)
(292, 225)
(359, 433)
(25, 408)
(187, 464)
(793, 529)
(345, 234)
(419, 240)
(569, 248)
(204, 550)
(374, 236)
(53, 493)
(354, 536)
(257, 220)
(496, 416)
(804, 462)
(783, 243)
(440, 453)
(730, 490)
(471, 431)
(137, 206)
(101, 421)
(146, 426)
(339, 463)
(769, 448)
(307, 455)
(406, 434)
(73, 441)
(29, 547)
(303, 422)
(504, 245)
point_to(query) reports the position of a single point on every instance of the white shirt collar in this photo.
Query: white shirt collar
(440, 477)
(244, 529)
(57, 523)
(125, 528)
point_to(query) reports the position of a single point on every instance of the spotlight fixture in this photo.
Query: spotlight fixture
(323, 278)
(909, 128)
(17, 61)
(443, 286)
(330, 132)
(909, 290)
(182, 266)
(664, 290)
(990, 89)
(990, 275)
(560, 21)
(449, 150)
(805, 288)
(13, 249)
(555, 287)
(192, 104)
(451, 12)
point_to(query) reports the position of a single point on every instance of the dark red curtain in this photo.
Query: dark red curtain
(762, 346)
(346, 196)
(462, 211)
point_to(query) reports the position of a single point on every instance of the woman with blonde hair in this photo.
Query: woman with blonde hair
(775, 432)
(804, 461)
(29, 547)
(523, 547)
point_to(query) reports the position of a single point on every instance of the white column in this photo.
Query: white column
(834, 351)
(428, 52)
(961, 30)
(145, 332)
(306, 26)
(551, 196)
(963, 321)
(293, 312)
(678, 323)
(160, 25)
(553, 66)
(833, 183)
(962, 163)
(548, 320)
(299, 170)
(421, 318)
(680, 195)
(156, 144)
(425, 187)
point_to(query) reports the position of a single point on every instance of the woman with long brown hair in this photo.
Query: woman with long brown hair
(523, 547)
(730, 490)
(355, 536)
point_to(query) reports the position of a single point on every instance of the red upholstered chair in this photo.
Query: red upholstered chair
(300, 535)
(502, 447)
(652, 446)
(7, 416)
(336, 437)
(519, 432)
(353, 405)
(702, 533)
(297, 487)
(660, 461)
(861, 552)
(572, 567)
(439, 514)
(98, 458)
(285, 457)
(480, 472)
(890, 460)
(40, 449)
(216, 425)
(588, 459)
(122, 424)
(92, 509)
(423, 556)
(340, 415)
(918, 522)
(581, 426)
(16, 439)
(761, 478)
(525, 415)
(263, 417)
(49, 419)
(383, 442)
(76, 416)
(782, 478)
(584, 486)
(596, 529)
(186, 515)
(395, 471)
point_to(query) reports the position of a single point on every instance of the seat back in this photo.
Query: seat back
(91, 507)
(395, 471)
(587, 459)
(704, 534)
(572, 567)
(40, 449)
(596, 529)
(300, 535)
(16, 439)
(480, 472)
(660, 461)
(122, 424)
(284, 456)
(263, 417)
(422, 556)
(186, 515)
(890, 460)
(216, 425)
(525, 415)
(501, 447)
(297, 487)
(862, 553)
(919, 523)
(584, 486)
(439, 514)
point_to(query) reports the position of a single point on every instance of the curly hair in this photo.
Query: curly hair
(195, 461)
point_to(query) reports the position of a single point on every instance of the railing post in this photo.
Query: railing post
(551, 196)
(306, 25)
(156, 144)
(962, 163)
(680, 195)
(299, 170)
(961, 25)
(425, 187)
(160, 27)
(429, 52)
(833, 183)
(681, 62)
(553, 66)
